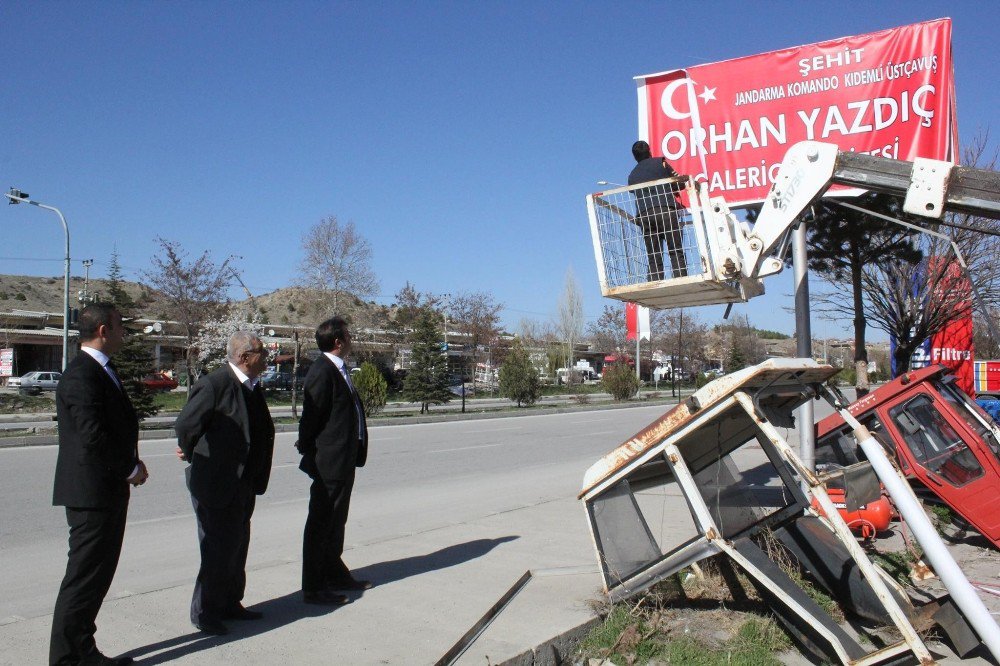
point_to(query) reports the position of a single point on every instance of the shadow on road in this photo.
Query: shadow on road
(394, 570)
(289, 608)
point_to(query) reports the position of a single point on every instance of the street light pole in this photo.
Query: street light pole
(15, 196)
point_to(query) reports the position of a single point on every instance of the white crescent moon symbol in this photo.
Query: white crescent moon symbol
(667, 99)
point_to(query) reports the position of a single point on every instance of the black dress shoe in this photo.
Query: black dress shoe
(241, 613)
(352, 585)
(212, 627)
(324, 598)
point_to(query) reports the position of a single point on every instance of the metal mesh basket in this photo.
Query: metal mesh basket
(653, 246)
(646, 233)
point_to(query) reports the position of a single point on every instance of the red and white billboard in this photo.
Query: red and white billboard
(888, 93)
(952, 346)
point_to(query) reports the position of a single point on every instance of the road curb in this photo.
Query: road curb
(49, 439)
(555, 651)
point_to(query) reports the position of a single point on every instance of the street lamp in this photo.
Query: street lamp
(608, 182)
(15, 196)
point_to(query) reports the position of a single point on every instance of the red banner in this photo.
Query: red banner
(888, 93)
(952, 346)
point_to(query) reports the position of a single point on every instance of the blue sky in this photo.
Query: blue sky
(460, 137)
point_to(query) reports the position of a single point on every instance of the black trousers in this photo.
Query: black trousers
(662, 234)
(224, 540)
(95, 542)
(323, 538)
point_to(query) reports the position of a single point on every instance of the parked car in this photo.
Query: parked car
(13, 382)
(272, 380)
(159, 381)
(35, 382)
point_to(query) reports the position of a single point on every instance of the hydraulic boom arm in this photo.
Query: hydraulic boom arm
(931, 188)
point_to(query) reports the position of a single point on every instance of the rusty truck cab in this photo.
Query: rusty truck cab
(940, 437)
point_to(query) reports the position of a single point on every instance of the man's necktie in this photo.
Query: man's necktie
(110, 369)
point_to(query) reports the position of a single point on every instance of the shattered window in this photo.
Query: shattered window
(962, 404)
(623, 536)
(934, 443)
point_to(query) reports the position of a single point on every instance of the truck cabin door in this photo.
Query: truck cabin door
(948, 454)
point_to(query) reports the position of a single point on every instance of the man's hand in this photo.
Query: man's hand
(180, 454)
(140, 474)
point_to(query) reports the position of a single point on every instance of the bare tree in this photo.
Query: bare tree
(337, 261)
(913, 301)
(609, 332)
(477, 316)
(191, 292)
(569, 324)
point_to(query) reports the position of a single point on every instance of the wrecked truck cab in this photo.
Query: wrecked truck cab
(942, 440)
(724, 451)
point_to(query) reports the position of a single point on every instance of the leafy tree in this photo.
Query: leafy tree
(737, 357)
(745, 346)
(518, 377)
(371, 387)
(133, 361)
(408, 305)
(337, 261)
(215, 333)
(191, 292)
(620, 381)
(427, 379)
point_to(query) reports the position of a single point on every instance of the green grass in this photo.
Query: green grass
(897, 564)
(15, 403)
(942, 514)
(757, 642)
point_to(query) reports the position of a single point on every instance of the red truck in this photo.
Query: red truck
(940, 437)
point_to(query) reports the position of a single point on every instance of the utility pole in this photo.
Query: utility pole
(15, 196)
(84, 296)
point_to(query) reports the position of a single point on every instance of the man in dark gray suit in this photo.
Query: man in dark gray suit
(98, 459)
(333, 441)
(225, 431)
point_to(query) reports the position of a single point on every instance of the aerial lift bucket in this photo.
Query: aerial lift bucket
(658, 245)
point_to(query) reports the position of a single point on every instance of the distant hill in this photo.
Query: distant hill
(45, 294)
(290, 305)
(297, 305)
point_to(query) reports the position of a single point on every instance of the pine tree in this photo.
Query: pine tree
(133, 361)
(372, 388)
(427, 379)
(518, 377)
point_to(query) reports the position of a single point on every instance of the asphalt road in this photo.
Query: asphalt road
(419, 479)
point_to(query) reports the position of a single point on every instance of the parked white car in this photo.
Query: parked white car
(35, 382)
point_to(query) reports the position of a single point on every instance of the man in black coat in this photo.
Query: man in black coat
(333, 441)
(225, 431)
(98, 459)
(658, 212)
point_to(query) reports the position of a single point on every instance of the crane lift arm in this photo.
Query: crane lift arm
(931, 187)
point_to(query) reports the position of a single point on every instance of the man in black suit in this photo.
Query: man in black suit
(225, 431)
(98, 459)
(333, 441)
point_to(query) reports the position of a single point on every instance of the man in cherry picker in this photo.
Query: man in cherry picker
(658, 212)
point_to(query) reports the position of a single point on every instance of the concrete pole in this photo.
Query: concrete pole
(803, 343)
